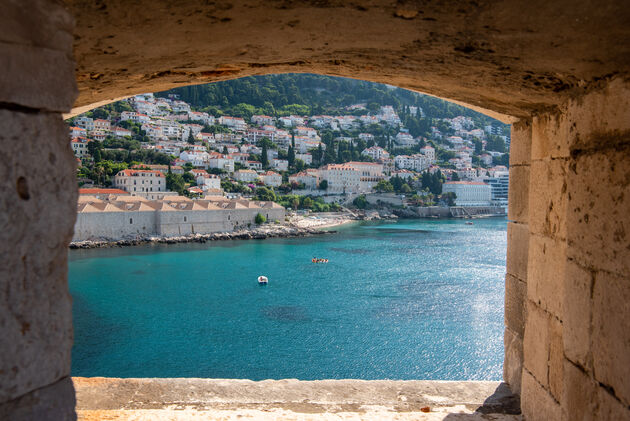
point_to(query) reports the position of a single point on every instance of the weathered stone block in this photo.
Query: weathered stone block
(40, 23)
(518, 202)
(556, 359)
(513, 362)
(51, 403)
(548, 198)
(610, 408)
(37, 77)
(611, 333)
(545, 273)
(515, 297)
(38, 201)
(536, 403)
(521, 143)
(599, 112)
(536, 343)
(577, 310)
(598, 210)
(517, 250)
(579, 398)
(550, 137)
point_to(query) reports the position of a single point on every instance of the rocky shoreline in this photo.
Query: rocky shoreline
(259, 233)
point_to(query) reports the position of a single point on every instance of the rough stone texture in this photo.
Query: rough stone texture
(521, 143)
(536, 343)
(36, 77)
(556, 359)
(50, 403)
(545, 273)
(517, 250)
(599, 199)
(518, 193)
(513, 361)
(323, 399)
(577, 314)
(585, 400)
(38, 199)
(515, 297)
(536, 402)
(611, 333)
(36, 23)
(578, 400)
(498, 56)
(548, 197)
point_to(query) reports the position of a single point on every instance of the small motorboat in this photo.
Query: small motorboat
(469, 223)
(316, 260)
(262, 280)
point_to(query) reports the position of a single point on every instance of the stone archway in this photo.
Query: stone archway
(558, 70)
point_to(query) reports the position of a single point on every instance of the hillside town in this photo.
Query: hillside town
(159, 147)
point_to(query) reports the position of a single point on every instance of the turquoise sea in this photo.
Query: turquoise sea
(415, 299)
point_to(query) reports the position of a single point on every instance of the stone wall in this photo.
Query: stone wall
(119, 225)
(567, 336)
(37, 206)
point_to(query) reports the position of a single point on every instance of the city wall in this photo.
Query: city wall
(126, 224)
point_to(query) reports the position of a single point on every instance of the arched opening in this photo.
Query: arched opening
(560, 68)
(401, 321)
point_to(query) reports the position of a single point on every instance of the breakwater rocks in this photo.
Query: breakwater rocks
(259, 233)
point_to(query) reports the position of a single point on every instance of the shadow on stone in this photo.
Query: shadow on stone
(502, 401)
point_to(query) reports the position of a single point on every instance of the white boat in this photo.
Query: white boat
(262, 279)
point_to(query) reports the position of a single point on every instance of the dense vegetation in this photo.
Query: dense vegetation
(309, 94)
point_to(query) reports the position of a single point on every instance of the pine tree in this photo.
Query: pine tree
(291, 156)
(264, 160)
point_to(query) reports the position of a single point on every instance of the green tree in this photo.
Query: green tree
(455, 177)
(175, 182)
(260, 219)
(265, 194)
(360, 202)
(264, 159)
(384, 186)
(191, 139)
(323, 185)
(291, 156)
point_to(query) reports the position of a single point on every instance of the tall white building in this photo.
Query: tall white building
(140, 181)
(375, 152)
(469, 193)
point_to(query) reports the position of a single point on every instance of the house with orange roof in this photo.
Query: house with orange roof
(140, 181)
(271, 178)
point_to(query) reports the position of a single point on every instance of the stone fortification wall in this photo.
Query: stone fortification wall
(567, 337)
(91, 225)
(124, 224)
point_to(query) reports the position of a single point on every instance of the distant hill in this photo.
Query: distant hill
(309, 94)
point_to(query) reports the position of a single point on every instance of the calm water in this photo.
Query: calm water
(406, 300)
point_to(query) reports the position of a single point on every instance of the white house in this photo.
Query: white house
(121, 132)
(306, 157)
(246, 176)
(140, 181)
(429, 152)
(198, 159)
(415, 162)
(405, 139)
(469, 193)
(271, 178)
(220, 161)
(79, 146)
(341, 178)
(375, 152)
(280, 164)
(309, 180)
(370, 173)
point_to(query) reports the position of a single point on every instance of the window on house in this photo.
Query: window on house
(131, 220)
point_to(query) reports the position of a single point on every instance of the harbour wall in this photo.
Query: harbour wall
(125, 224)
